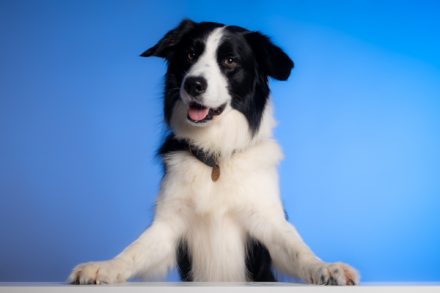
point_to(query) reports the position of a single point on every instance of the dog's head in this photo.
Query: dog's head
(214, 69)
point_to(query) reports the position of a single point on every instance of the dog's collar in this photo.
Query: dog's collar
(173, 144)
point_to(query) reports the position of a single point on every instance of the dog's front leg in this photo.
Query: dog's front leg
(151, 255)
(291, 255)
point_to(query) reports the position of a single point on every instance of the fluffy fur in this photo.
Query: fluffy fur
(232, 229)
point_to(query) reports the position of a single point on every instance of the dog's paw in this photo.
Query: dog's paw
(103, 272)
(334, 274)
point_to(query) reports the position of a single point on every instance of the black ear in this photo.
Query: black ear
(271, 59)
(165, 46)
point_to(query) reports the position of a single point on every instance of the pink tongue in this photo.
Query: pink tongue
(197, 114)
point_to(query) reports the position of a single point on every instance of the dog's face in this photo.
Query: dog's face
(214, 69)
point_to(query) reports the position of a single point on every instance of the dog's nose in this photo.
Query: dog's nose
(195, 85)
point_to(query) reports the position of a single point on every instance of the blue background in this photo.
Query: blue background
(80, 120)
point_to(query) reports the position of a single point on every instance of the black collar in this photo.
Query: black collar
(173, 144)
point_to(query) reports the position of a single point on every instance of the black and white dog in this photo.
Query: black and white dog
(219, 216)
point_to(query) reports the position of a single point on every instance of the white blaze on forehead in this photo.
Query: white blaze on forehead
(207, 66)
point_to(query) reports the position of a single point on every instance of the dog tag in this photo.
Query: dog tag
(215, 174)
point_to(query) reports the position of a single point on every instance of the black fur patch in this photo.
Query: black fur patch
(258, 262)
(184, 262)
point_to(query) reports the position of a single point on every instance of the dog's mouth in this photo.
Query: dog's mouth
(198, 113)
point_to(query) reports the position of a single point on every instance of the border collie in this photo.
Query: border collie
(219, 216)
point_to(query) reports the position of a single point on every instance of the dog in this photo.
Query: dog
(219, 215)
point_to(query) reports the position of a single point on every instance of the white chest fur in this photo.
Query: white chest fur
(212, 210)
(217, 248)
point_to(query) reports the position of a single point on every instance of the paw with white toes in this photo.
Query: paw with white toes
(103, 272)
(334, 274)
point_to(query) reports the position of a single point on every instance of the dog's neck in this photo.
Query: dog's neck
(216, 143)
(173, 144)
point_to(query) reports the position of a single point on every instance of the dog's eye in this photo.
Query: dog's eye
(230, 62)
(191, 55)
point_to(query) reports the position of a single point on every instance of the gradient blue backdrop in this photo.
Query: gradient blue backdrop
(359, 122)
